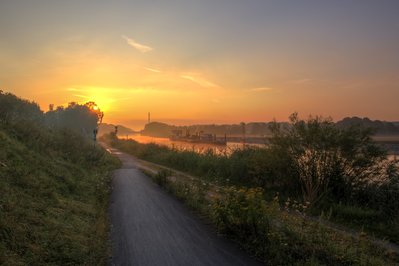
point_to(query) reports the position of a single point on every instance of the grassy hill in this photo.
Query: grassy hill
(53, 193)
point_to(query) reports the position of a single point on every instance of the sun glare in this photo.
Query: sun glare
(101, 96)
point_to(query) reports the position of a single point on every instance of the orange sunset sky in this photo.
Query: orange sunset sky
(204, 61)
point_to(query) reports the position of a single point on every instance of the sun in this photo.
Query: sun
(103, 102)
(102, 97)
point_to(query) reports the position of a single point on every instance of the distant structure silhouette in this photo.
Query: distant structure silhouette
(149, 117)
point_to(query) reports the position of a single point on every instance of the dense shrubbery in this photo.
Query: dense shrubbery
(53, 191)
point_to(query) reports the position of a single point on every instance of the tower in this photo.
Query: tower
(149, 117)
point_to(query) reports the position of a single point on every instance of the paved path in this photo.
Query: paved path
(150, 227)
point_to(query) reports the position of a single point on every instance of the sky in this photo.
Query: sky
(204, 61)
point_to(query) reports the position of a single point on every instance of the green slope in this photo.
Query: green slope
(53, 197)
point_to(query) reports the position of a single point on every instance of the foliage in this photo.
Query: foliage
(82, 119)
(241, 213)
(54, 187)
(223, 168)
(14, 109)
(312, 162)
(329, 161)
(276, 236)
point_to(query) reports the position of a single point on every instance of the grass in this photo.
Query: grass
(277, 230)
(270, 232)
(54, 189)
(365, 219)
(259, 168)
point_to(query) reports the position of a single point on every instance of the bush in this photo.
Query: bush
(241, 213)
(161, 178)
(329, 161)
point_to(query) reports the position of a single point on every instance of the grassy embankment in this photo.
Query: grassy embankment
(272, 226)
(53, 195)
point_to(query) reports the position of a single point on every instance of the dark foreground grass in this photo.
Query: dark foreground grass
(53, 198)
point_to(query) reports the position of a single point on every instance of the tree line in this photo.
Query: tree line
(80, 118)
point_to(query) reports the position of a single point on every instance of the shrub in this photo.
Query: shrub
(241, 213)
(327, 160)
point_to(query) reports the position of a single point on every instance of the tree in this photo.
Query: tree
(81, 118)
(327, 160)
(15, 110)
(93, 107)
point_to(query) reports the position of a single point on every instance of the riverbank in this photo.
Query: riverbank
(279, 234)
(390, 143)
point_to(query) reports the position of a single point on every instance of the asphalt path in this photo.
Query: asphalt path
(150, 227)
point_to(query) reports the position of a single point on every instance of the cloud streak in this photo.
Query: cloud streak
(84, 91)
(81, 96)
(152, 70)
(138, 46)
(262, 89)
(200, 81)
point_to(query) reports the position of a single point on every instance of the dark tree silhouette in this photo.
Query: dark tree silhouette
(81, 118)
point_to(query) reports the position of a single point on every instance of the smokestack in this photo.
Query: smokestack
(149, 117)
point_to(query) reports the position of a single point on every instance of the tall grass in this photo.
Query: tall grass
(54, 187)
(371, 206)
(269, 231)
(54, 197)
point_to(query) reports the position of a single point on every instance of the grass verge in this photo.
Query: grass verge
(53, 199)
(276, 235)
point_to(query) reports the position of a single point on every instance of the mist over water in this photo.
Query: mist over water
(196, 147)
(202, 147)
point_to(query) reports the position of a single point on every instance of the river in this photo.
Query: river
(197, 147)
(201, 147)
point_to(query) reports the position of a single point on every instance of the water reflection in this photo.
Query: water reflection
(202, 147)
(196, 147)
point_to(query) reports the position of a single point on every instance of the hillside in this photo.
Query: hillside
(54, 191)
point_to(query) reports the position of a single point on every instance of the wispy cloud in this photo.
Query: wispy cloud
(152, 70)
(138, 46)
(199, 80)
(86, 91)
(82, 96)
(262, 89)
